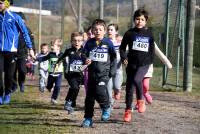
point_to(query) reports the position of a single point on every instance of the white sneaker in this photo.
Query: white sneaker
(53, 101)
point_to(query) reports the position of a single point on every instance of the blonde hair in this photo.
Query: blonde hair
(57, 42)
(6, 3)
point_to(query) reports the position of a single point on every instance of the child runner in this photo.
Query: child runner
(74, 76)
(140, 56)
(55, 72)
(43, 67)
(89, 35)
(149, 74)
(115, 82)
(102, 60)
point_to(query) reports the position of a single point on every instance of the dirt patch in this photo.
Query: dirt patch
(169, 113)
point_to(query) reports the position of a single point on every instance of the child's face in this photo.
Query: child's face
(140, 21)
(77, 41)
(90, 34)
(99, 32)
(2, 6)
(111, 32)
(44, 49)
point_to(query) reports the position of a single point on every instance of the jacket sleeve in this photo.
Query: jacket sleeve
(31, 35)
(113, 60)
(123, 46)
(24, 31)
(65, 54)
(83, 55)
(43, 58)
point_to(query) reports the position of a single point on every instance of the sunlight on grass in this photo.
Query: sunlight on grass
(26, 115)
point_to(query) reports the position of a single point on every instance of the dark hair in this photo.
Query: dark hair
(114, 25)
(89, 28)
(140, 12)
(22, 15)
(43, 44)
(99, 22)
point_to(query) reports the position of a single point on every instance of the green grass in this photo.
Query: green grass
(26, 115)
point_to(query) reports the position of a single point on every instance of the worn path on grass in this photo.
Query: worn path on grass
(170, 113)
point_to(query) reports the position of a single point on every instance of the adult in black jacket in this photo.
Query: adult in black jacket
(22, 54)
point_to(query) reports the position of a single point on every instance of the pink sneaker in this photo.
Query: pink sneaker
(148, 98)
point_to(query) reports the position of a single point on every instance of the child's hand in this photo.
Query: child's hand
(88, 61)
(31, 53)
(125, 62)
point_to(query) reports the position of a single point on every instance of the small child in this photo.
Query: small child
(74, 76)
(115, 82)
(140, 56)
(43, 67)
(29, 64)
(55, 72)
(149, 74)
(102, 60)
(89, 35)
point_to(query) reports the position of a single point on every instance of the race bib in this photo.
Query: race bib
(76, 66)
(141, 44)
(98, 56)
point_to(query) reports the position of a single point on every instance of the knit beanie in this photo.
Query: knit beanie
(6, 3)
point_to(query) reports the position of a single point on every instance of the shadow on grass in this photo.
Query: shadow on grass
(45, 121)
(36, 106)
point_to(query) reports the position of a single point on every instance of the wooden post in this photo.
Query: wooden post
(80, 16)
(62, 18)
(40, 26)
(101, 9)
(134, 8)
(188, 66)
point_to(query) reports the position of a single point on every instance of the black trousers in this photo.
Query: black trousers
(97, 90)
(7, 65)
(74, 81)
(21, 70)
(54, 81)
(134, 81)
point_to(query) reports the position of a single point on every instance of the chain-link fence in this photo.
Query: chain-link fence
(116, 13)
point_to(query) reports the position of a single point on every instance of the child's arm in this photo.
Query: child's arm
(122, 49)
(65, 54)
(113, 60)
(162, 57)
(88, 61)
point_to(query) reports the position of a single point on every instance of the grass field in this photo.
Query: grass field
(28, 115)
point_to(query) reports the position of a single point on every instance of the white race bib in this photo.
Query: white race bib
(98, 56)
(75, 68)
(140, 46)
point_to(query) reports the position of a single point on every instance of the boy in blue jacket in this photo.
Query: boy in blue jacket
(101, 60)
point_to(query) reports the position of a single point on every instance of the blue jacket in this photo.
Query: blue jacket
(11, 25)
(103, 58)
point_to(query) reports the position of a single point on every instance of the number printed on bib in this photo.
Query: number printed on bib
(99, 56)
(141, 44)
(76, 66)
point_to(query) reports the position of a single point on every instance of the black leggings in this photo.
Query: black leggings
(7, 65)
(134, 81)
